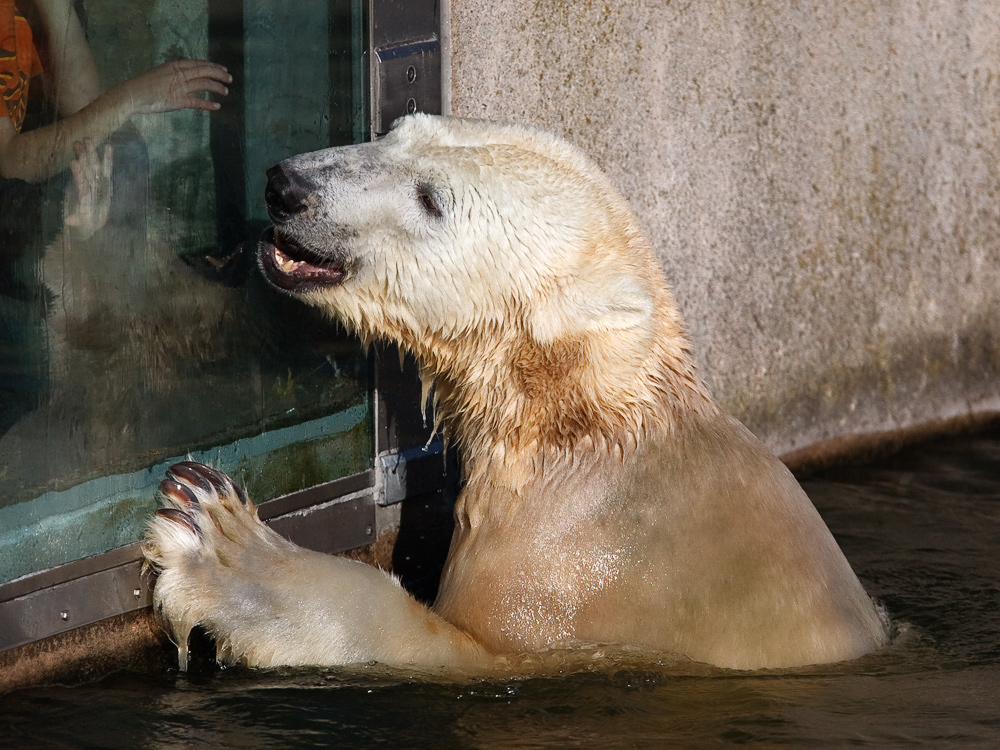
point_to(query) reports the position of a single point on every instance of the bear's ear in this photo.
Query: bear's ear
(590, 306)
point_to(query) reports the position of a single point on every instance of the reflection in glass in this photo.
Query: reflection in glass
(133, 327)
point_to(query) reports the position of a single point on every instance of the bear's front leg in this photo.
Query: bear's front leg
(268, 602)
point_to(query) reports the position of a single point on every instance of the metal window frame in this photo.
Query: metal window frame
(404, 64)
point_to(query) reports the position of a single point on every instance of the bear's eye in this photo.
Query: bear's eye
(426, 198)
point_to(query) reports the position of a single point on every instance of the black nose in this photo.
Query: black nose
(285, 194)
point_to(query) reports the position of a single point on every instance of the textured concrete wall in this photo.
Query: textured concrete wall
(821, 181)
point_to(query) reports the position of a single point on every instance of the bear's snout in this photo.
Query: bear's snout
(286, 194)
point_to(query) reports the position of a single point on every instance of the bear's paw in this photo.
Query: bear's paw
(206, 544)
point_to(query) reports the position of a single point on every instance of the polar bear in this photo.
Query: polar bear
(608, 499)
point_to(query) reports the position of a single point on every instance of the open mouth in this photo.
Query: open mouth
(294, 268)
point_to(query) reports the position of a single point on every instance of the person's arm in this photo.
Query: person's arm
(41, 153)
(68, 59)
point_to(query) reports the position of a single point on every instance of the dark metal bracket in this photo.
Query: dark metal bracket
(407, 79)
(405, 48)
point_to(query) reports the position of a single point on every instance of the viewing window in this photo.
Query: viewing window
(134, 328)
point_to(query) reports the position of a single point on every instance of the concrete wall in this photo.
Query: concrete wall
(821, 181)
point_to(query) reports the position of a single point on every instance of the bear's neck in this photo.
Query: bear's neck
(514, 405)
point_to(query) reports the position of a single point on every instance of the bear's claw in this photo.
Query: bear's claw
(201, 477)
(181, 494)
(179, 516)
(191, 474)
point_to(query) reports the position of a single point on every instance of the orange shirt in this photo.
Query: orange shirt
(18, 61)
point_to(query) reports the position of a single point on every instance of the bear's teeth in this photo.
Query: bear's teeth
(287, 264)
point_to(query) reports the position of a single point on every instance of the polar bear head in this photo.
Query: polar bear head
(450, 225)
(469, 242)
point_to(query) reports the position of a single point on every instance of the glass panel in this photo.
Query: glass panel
(134, 329)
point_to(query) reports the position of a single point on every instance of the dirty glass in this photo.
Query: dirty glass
(134, 327)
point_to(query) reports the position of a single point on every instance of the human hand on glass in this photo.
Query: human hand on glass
(88, 203)
(38, 154)
(174, 85)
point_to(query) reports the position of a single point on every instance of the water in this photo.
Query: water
(922, 530)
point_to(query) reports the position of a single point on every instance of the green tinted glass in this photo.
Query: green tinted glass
(134, 328)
